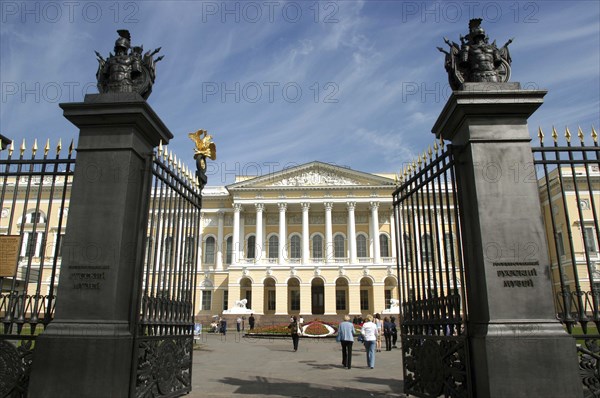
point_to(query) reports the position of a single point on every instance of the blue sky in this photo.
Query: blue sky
(281, 83)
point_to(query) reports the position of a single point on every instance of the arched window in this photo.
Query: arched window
(209, 250)
(35, 218)
(189, 249)
(317, 246)
(228, 250)
(273, 246)
(295, 247)
(251, 248)
(361, 246)
(449, 247)
(427, 247)
(339, 246)
(384, 247)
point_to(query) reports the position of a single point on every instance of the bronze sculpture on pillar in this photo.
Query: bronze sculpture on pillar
(475, 60)
(127, 70)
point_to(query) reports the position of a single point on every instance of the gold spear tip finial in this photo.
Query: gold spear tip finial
(34, 148)
(580, 134)
(160, 147)
(567, 134)
(11, 148)
(22, 149)
(554, 134)
(540, 133)
(59, 146)
(594, 134)
(47, 147)
(429, 151)
(435, 146)
(71, 146)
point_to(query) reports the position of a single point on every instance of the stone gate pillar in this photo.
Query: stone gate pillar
(517, 347)
(87, 350)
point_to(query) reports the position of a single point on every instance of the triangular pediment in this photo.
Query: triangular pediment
(314, 175)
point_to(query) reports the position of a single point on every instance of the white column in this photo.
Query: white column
(200, 259)
(375, 232)
(220, 216)
(237, 208)
(351, 231)
(305, 234)
(328, 233)
(393, 233)
(260, 207)
(282, 233)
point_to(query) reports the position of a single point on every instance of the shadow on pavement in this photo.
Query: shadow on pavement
(264, 386)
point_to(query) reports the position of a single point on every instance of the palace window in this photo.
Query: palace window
(339, 246)
(295, 300)
(251, 247)
(317, 246)
(295, 247)
(589, 240)
(225, 299)
(271, 300)
(408, 253)
(449, 247)
(209, 250)
(273, 246)
(228, 250)
(361, 246)
(206, 300)
(189, 249)
(364, 300)
(340, 300)
(427, 248)
(384, 245)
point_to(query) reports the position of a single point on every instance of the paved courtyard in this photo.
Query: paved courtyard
(230, 366)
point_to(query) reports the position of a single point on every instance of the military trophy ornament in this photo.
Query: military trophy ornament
(127, 70)
(475, 60)
(205, 148)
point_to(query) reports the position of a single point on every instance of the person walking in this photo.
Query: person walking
(369, 332)
(387, 333)
(345, 336)
(251, 321)
(379, 324)
(295, 332)
(394, 331)
(238, 322)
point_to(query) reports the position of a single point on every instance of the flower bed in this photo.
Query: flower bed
(314, 328)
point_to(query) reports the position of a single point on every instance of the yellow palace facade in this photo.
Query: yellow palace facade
(315, 239)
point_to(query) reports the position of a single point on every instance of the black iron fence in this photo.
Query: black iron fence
(165, 326)
(34, 205)
(431, 276)
(569, 182)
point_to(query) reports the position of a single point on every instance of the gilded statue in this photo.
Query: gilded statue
(205, 148)
(476, 60)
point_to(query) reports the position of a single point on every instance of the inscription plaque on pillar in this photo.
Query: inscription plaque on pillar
(9, 254)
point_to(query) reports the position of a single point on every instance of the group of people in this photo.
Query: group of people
(371, 333)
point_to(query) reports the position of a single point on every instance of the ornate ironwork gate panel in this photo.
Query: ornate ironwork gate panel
(569, 183)
(34, 204)
(164, 331)
(431, 275)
